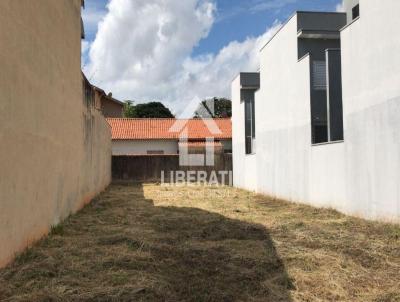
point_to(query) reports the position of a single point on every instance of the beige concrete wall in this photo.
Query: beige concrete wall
(111, 109)
(55, 150)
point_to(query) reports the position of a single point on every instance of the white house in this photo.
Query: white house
(320, 122)
(153, 136)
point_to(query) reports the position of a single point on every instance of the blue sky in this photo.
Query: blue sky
(238, 19)
(235, 19)
(182, 46)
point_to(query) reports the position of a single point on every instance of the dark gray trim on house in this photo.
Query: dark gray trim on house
(250, 80)
(322, 21)
(249, 83)
(334, 94)
(318, 34)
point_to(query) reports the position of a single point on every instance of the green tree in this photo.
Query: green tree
(215, 108)
(130, 110)
(153, 110)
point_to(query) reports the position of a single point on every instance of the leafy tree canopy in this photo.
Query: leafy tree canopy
(214, 108)
(129, 110)
(147, 110)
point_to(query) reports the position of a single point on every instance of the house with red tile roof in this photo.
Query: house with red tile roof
(167, 136)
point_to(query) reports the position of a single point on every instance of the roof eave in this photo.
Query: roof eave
(318, 34)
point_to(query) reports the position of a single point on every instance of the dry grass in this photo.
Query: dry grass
(152, 243)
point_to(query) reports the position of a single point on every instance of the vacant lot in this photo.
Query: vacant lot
(152, 243)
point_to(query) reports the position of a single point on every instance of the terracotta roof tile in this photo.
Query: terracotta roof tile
(141, 129)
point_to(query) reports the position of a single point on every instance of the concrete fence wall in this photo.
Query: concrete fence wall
(55, 148)
(148, 168)
(130, 147)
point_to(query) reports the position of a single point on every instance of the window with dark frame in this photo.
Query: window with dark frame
(356, 11)
(249, 125)
(319, 75)
(320, 134)
(326, 99)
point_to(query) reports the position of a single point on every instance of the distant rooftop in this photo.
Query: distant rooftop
(160, 129)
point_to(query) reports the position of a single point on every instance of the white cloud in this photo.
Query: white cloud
(212, 75)
(93, 13)
(92, 17)
(253, 7)
(340, 8)
(263, 5)
(143, 48)
(85, 46)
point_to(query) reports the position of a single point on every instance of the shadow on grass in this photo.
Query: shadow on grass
(123, 248)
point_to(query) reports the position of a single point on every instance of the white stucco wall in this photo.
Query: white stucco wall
(371, 96)
(245, 165)
(140, 147)
(360, 176)
(288, 166)
(348, 8)
(283, 129)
